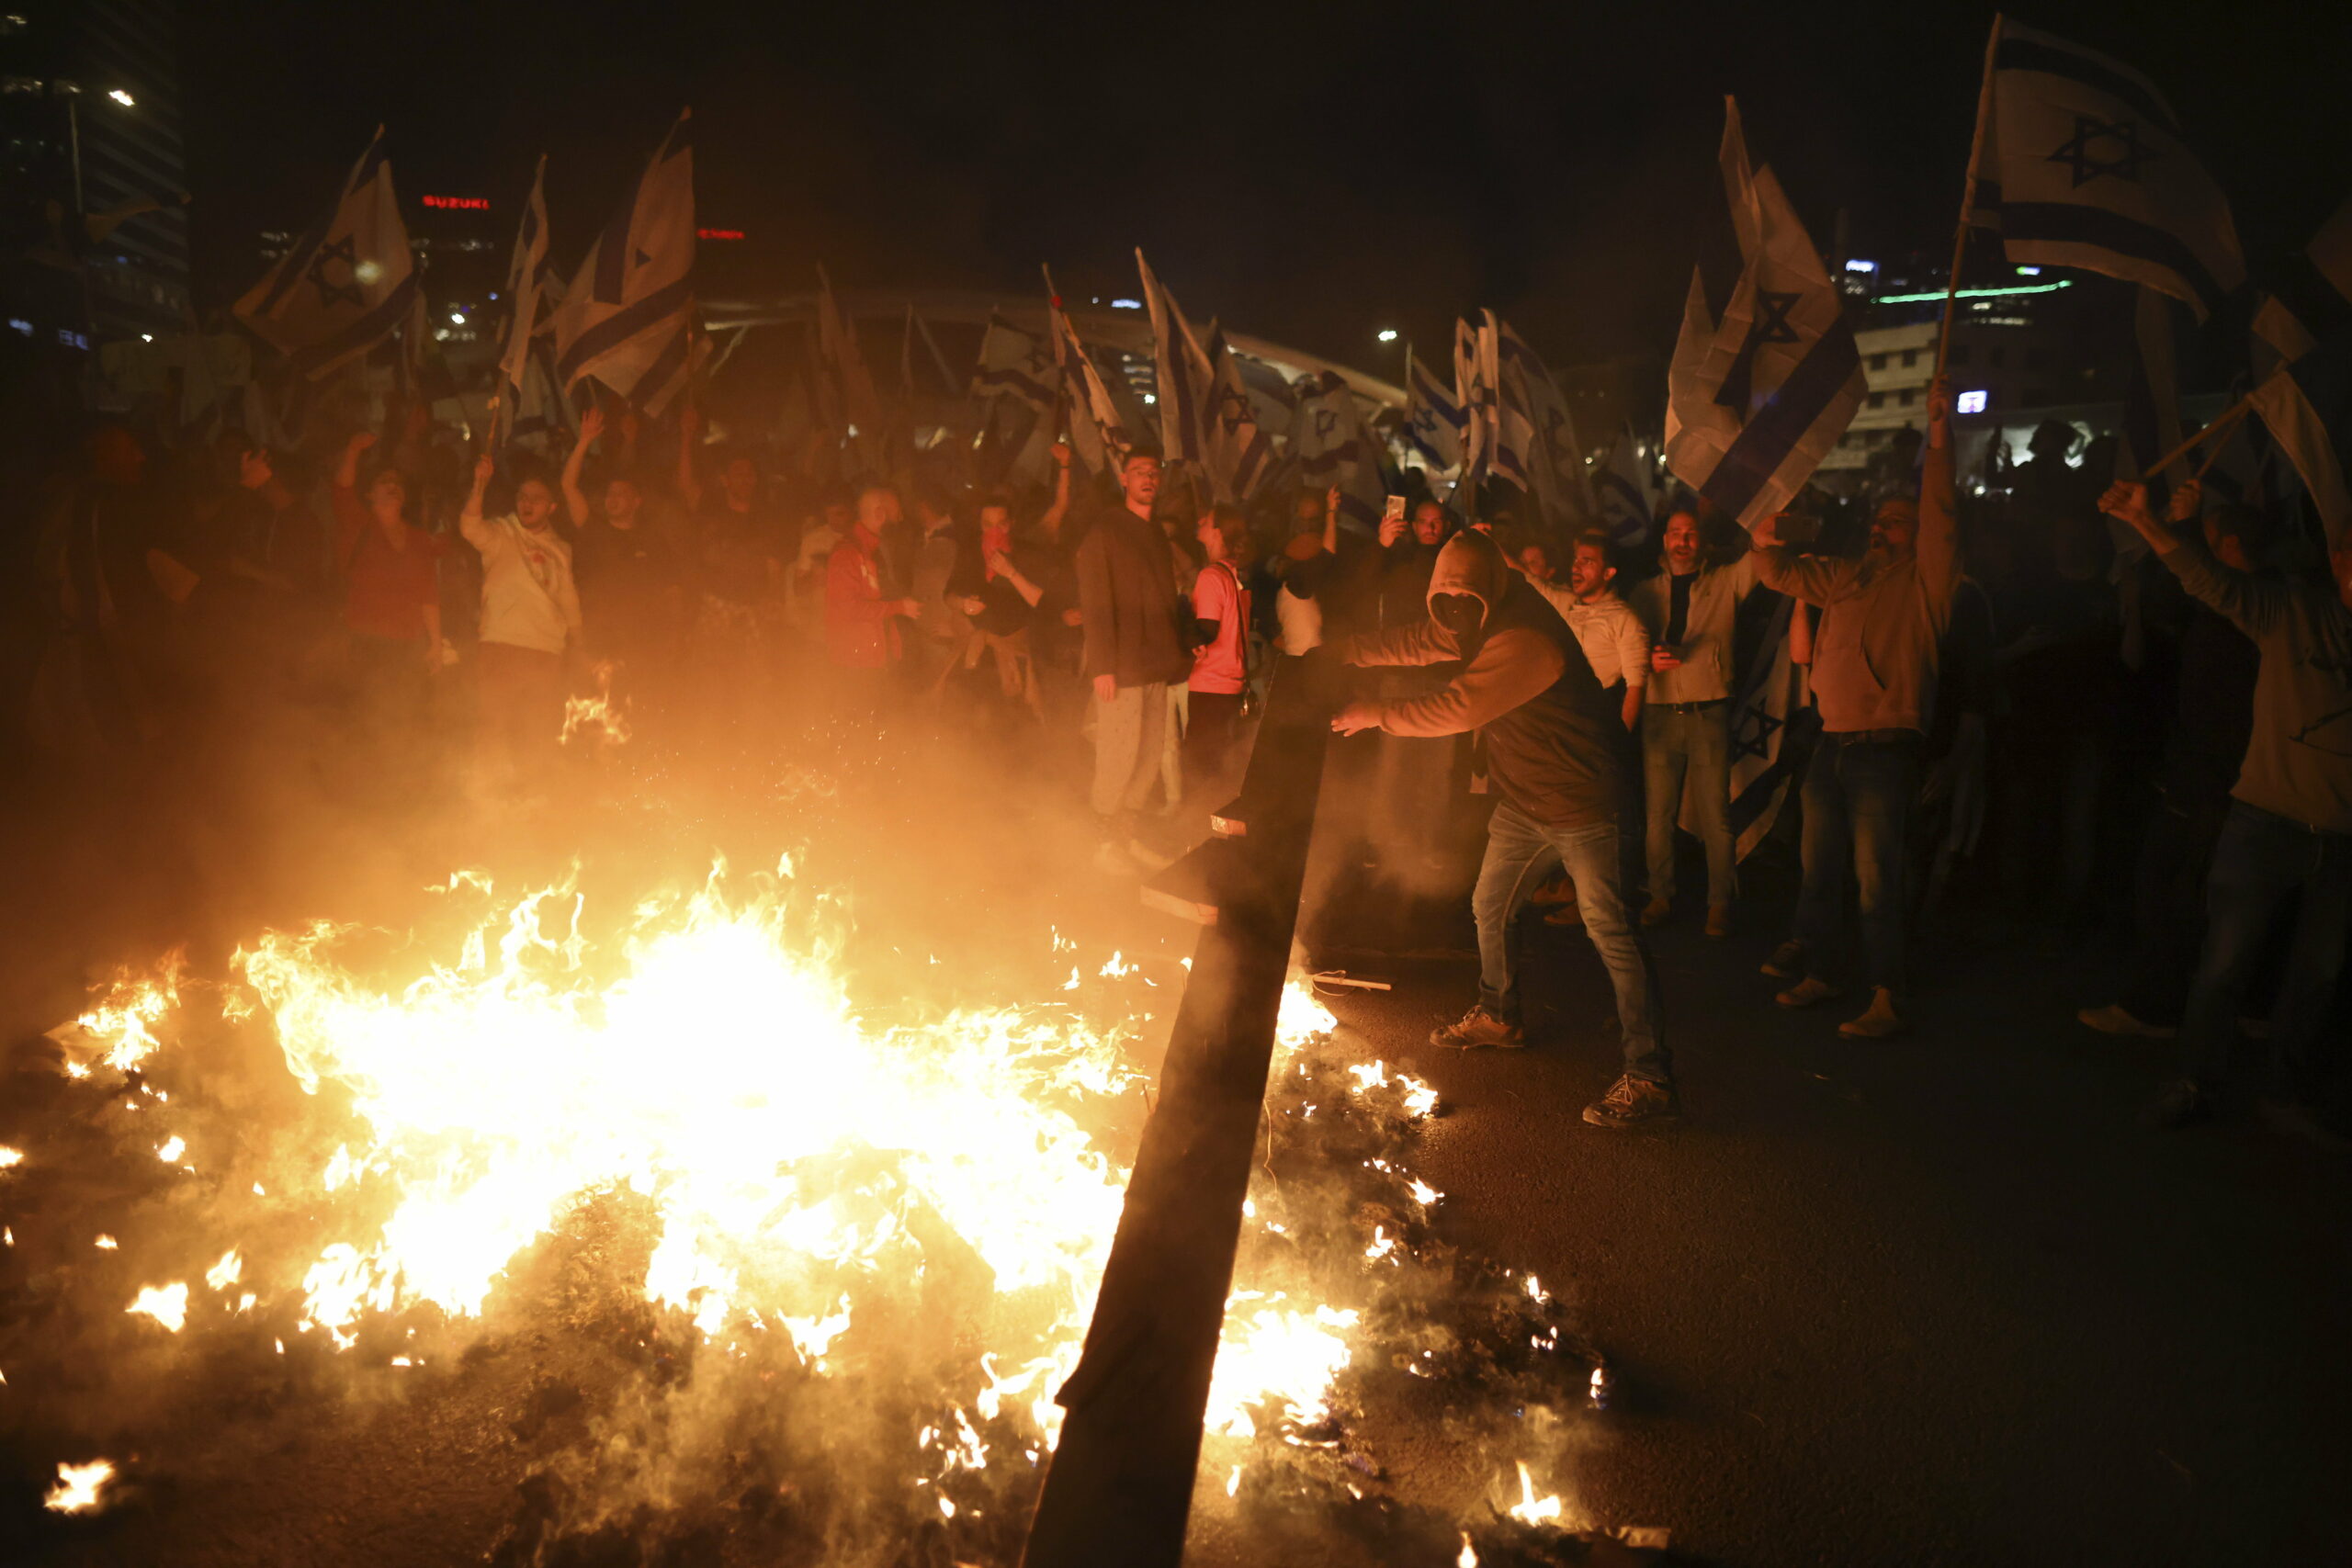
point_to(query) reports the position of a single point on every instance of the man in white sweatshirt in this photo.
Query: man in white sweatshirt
(530, 611)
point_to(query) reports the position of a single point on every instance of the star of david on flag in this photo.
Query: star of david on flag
(2078, 162)
(346, 284)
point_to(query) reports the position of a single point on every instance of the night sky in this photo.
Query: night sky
(1309, 173)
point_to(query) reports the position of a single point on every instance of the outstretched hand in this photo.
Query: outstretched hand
(1353, 717)
(485, 470)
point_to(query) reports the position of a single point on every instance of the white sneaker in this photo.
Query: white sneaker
(1112, 859)
(1147, 858)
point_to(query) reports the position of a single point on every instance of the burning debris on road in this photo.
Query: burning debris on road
(730, 1253)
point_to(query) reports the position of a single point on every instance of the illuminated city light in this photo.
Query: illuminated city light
(1388, 334)
(119, 95)
(1938, 293)
(1971, 402)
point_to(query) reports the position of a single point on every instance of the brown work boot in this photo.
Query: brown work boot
(1719, 920)
(1656, 912)
(1877, 1021)
(1480, 1026)
(1633, 1102)
(1808, 992)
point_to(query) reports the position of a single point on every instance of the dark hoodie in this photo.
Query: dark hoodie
(1555, 739)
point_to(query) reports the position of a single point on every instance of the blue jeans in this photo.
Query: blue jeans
(1858, 795)
(1696, 744)
(1518, 849)
(2261, 861)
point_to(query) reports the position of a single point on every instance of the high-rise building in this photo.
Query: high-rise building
(90, 120)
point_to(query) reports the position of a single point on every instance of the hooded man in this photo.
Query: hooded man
(1555, 749)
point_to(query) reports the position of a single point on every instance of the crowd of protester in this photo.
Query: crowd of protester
(2033, 711)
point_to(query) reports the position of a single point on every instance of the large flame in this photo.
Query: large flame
(865, 1187)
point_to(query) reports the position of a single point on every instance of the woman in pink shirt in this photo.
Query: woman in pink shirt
(1220, 657)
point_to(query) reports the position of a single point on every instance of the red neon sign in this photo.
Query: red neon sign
(718, 233)
(459, 203)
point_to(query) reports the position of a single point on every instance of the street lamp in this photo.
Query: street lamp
(119, 95)
(1388, 334)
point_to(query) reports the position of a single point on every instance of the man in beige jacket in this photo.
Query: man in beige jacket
(1874, 664)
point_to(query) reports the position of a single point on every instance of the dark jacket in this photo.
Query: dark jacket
(1127, 596)
(1555, 739)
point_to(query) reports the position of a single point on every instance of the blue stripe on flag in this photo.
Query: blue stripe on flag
(1765, 441)
(2028, 54)
(2070, 223)
(621, 326)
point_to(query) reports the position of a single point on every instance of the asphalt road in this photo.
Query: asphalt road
(1933, 1301)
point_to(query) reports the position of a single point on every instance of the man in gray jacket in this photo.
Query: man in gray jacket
(1874, 664)
(1686, 713)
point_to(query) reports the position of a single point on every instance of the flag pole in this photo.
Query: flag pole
(1968, 197)
(2220, 424)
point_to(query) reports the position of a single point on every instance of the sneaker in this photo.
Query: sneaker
(1479, 1026)
(1808, 992)
(1144, 855)
(1878, 1021)
(1111, 858)
(1633, 1102)
(2116, 1018)
(2184, 1103)
(1656, 911)
(1787, 961)
(1719, 920)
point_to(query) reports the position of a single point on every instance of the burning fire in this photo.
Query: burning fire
(596, 716)
(78, 1486)
(804, 1175)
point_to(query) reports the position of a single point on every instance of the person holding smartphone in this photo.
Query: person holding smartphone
(1690, 609)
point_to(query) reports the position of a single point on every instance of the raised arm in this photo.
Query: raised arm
(2253, 604)
(1938, 545)
(469, 520)
(1809, 578)
(1051, 522)
(575, 501)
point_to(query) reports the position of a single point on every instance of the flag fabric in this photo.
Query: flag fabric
(1433, 421)
(1773, 710)
(1756, 401)
(1512, 458)
(2079, 162)
(2310, 299)
(1239, 454)
(1328, 437)
(1014, 366)
(2151, 425)
(525, 275)
(631, 299)
(855, 403)
(1099, 433)
(1473, 393)
(1554, 455)
(2307, 408)
(1624, 496)
(346, 285)
(1180, 372)
(541, 414)
(673, 372)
